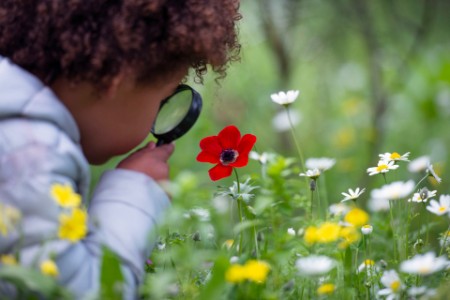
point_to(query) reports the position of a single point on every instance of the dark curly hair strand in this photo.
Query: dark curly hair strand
(93, 40)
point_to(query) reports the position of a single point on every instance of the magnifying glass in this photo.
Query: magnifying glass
(177, 114)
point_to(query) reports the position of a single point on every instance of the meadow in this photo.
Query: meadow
(345, 193)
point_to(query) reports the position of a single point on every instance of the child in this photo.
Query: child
(81, 82)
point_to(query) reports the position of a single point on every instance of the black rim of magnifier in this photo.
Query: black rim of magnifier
(187, 122)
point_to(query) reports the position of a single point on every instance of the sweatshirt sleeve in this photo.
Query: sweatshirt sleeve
(126, 207)
(123, 212)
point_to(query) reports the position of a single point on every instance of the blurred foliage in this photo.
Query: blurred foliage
(374, 77)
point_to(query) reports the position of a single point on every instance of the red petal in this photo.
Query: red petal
(246, 144)
(240, 162)
(219, 172)
(208, 157)
(211, 145)
(229, 137)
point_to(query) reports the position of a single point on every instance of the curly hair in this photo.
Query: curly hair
(94, 40)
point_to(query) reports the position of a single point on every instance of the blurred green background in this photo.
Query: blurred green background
(374, 77)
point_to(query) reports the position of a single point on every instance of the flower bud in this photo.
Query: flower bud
(367, 229)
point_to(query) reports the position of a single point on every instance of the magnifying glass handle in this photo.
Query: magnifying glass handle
(161, 142)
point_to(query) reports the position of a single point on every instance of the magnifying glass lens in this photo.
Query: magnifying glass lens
(177, 114)
(173, 112)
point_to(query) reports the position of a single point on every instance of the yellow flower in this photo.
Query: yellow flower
(8, 259)
(73, 227)
(328, 232)
(236, 273)
(310, 236)
(253, 270)
(256, 270)
(9, 218)
(228, 244)
(357, 217)
(49, 268)
(65, 196)
(326, 289)
(349, 235)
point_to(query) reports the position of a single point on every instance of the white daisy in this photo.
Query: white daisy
(352, 194)
(392, 283)
(284, 98)
(313, 174)
(199, 213)
(431, 171)
(419, 164)
(382, 167)
(338, 209)
(315, 265)
(291, 231)
(377, 205)
(393, 191)
(263, 158)
(394, 156)
(422, 196)
(425, 264)
(367, 229)
(369, 266)
(322, 163)
(281, 120)
(444, 239)
(440, 208)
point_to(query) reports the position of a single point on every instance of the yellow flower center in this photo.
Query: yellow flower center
(381, 168)
(442, 209)
(369, 262)
(326, 289)
(424, 270)
(395, 286)
(395, 155)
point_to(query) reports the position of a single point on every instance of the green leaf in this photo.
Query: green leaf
(111, 276)
(215, 286)
(31, 281)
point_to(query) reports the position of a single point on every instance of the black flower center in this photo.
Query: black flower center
(228, 156)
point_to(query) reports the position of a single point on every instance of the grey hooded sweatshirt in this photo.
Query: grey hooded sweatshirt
(40, 146)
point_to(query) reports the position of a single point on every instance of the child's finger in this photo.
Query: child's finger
(165, 151)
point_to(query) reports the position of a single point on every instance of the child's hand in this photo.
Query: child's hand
(150, 160)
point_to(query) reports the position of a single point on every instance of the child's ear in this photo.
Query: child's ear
(114, 86)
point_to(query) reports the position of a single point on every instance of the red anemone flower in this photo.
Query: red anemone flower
(227, 150)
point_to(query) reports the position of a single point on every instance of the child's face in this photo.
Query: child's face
(121, 118)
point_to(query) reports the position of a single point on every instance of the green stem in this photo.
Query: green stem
(384, 176)
(391, 208)
(239, 204)
(420, 181)
(325, 194)
(294, 136)
(312, 203)
(444, 243)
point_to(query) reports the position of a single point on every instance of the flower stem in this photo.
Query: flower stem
(391, 208)
(420, 181)
(239, 203)
(444, 243)
(294, 136)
